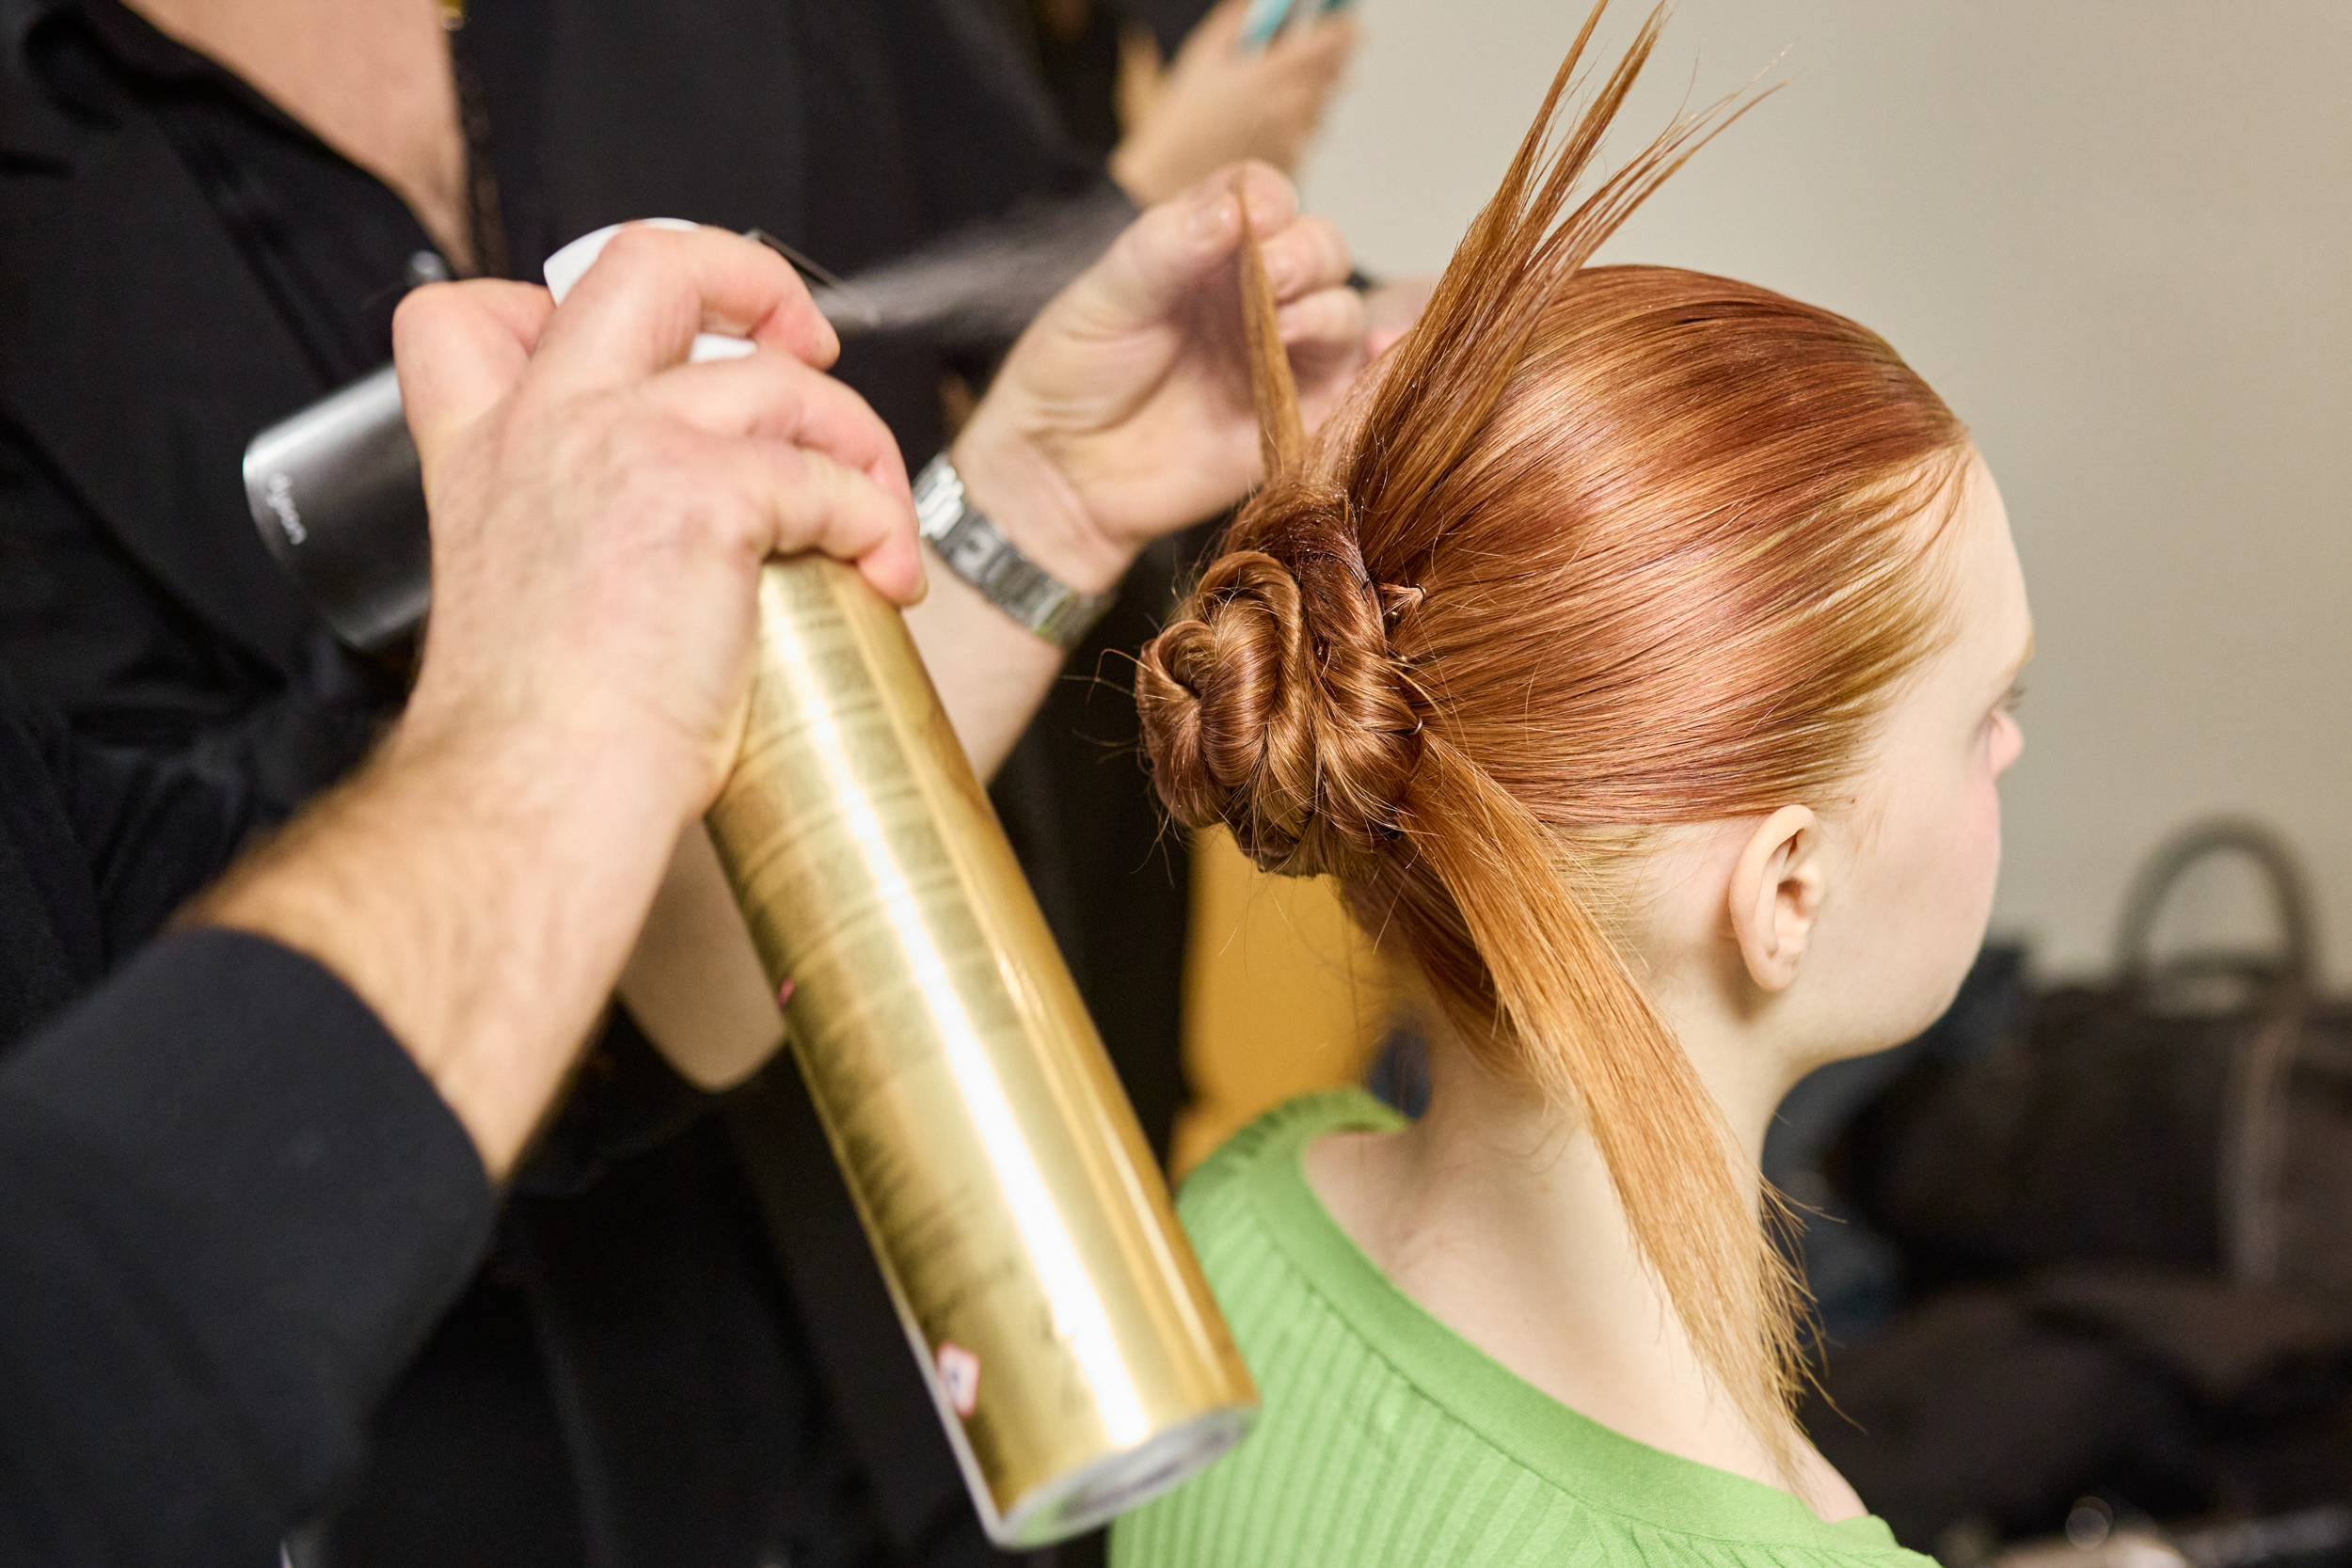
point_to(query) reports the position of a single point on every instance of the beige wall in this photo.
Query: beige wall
(2117, 235)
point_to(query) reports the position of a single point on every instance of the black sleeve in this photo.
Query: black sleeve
(153, 829)
(89, 631)
(230, 1207)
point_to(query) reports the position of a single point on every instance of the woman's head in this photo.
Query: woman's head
(1614, 568)
(1712, 553)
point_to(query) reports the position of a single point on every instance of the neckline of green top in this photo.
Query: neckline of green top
(1556, 1442)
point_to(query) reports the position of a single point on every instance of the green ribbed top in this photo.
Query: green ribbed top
(1389, 1441)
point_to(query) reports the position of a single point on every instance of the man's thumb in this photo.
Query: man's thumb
(460, 348)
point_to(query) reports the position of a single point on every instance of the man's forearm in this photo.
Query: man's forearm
(479, 898)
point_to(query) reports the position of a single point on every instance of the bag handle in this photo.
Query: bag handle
(2281, 869)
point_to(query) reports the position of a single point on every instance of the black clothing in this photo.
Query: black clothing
(142, 351)
(332, 246)
(229, 1205)
(680, 1350)
(97, 848)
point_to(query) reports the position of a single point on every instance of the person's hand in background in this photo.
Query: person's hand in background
(1218, 102)
(1124, 412)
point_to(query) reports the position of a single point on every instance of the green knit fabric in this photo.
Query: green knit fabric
(1389, 1441)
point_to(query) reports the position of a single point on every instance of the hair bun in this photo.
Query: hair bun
(1274, 703)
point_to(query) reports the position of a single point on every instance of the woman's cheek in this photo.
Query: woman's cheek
(1980, 841)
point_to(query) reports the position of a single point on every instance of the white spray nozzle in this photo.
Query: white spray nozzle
(568, 265)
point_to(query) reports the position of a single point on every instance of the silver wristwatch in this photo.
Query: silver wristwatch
(977, 550)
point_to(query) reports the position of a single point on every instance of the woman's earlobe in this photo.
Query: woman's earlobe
(1775, 896)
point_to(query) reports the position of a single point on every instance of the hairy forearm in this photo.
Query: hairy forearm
(480, 897)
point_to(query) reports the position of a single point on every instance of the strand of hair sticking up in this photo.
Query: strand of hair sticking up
(1281, 430)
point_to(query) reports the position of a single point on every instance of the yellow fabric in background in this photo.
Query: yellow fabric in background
(1283, 995)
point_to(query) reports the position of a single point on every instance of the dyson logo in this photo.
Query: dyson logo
(277, 494)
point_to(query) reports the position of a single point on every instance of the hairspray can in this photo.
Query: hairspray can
(1070, 1341)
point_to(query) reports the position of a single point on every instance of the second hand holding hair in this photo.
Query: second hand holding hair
(1123, 413)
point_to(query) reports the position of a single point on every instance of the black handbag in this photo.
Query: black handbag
(2126, 1211)
(2195, 1115)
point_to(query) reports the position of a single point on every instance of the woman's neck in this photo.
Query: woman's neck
(1496, 1215)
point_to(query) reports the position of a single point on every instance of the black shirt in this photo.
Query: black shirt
(333, 245)
(229, 1209)
(97, 848)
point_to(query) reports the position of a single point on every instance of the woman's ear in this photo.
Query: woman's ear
(1775, 893)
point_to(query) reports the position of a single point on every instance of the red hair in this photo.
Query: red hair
(1604, 549)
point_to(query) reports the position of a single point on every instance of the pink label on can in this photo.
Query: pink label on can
(959, 1377)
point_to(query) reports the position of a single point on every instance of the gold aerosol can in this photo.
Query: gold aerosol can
(1075, 1355)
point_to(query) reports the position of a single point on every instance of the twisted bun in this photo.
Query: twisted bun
(1274, 704)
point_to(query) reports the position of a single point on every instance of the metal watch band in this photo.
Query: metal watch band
(977, 550)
